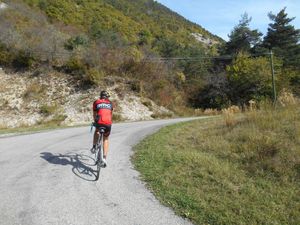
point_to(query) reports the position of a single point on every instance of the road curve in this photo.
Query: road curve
(47, 178)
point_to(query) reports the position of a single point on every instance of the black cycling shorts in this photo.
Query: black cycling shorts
(107, 129)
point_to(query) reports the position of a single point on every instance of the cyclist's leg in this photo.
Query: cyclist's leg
(106, 140)
(96, 136)
(105, 146)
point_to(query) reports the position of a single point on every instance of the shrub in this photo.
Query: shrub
(117, 117)
(136, 86)
(249, 78)
(48, 110)
(94, 76)
(24, 60)
(34, 91)
(5, 56)
(162, 115)
(75, 42)
(75, 66)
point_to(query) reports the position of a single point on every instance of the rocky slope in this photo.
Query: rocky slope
(35, 98)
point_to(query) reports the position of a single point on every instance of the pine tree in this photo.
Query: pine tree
(283, 38)
(242, 38)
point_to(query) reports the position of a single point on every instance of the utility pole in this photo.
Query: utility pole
(273, 77)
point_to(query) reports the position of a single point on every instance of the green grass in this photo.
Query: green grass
(42, 126)
(55, 123)
(213, 173)
(31, 129)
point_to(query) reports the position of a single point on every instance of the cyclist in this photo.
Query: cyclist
(102, 112)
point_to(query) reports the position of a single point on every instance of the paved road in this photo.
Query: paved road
(47, 178)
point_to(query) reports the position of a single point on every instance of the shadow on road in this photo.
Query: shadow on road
(81, 164)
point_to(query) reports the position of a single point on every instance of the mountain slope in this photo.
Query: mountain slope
(91, 41)
(131, 19)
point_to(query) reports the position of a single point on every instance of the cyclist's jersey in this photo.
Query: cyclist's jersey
(104, 108)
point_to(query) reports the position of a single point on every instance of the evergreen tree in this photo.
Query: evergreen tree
(242, 38)
(283, 38)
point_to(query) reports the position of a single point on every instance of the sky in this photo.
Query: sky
(220, 16)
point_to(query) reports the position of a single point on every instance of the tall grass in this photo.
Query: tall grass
(241, 172)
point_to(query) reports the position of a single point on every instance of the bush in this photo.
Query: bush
(6, 57)
(34, 91)
(48, 110)
(24, 60)
(75, 66)
(117, 117)
(249, 78)
(162, 115)
(94, 76)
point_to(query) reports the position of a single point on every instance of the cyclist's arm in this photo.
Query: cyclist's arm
(94, 114)
(114, 106)
(94, 111)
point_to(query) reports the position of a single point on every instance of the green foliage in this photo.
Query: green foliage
(92, 38)
(117, 117)
(5, 56)
(249, 78)
(94, 76)
(19, 59)
(117, 37)
(76, 66)
(75, 42)
(145, 37)
(125, 18)
(24, 60)
(242, 38)
(214, 94)
(48, 110)
(283, 38)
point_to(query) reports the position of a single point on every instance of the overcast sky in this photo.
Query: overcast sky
(220, 16)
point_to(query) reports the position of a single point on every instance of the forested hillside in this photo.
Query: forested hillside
(91, 40)
(167, 58)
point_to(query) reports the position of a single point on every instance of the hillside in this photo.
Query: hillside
(91, 40)
(133, 20)
(54, 99)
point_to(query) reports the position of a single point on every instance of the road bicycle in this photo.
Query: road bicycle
(99, 150)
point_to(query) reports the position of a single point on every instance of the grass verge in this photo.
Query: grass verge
(35, 128)
(212, 172)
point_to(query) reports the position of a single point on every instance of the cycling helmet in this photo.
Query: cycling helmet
(104, 95)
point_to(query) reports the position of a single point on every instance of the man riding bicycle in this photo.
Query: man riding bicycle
(102, 112)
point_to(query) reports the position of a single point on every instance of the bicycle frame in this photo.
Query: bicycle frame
(99, 151)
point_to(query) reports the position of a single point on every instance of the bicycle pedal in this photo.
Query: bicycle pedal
(103, 165)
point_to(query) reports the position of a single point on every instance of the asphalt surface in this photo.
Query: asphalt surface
(48, 178)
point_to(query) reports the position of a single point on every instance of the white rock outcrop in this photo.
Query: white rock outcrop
(201, 38)
(27, 100)
(3, 5)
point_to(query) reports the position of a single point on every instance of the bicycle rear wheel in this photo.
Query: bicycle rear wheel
(99, 157)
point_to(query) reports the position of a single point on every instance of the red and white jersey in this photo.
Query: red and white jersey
(104, 109)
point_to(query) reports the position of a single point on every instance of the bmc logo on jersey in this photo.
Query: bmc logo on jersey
(104, 106)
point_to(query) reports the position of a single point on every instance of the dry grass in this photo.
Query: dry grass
(245, 172)
(34, 91)
(229, 116)
(286, 98)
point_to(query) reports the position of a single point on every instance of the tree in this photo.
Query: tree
(214, 94)
(249, 78)
(283, 38)
(242, 38)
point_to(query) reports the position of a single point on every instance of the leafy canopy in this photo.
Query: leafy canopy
(242, 38)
